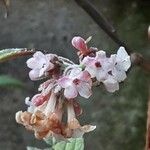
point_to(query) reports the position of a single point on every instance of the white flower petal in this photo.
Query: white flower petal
(64, 82)
(84, 89)
(101, 74)
(119, 75)
(92, 71)
(87, 60)
(123, 59)
(111, 85)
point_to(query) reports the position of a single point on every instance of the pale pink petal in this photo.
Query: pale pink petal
(100, 55)
(37, 61)
(64, 82)
(39, 99)
(88, 60)
(31, 63)
(34, 74)
(101, 74)
(70, 92)
(84, 76)
(111, 85)
(75, 72)
(84, 89)
(79, 43)
(38, 55)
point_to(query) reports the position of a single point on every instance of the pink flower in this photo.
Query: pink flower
(40, 65)
(97, 66)
(77, 81)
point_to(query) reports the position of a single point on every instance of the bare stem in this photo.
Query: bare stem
(111, 32)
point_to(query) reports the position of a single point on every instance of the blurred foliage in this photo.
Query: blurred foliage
(70, 144)
(7, 81)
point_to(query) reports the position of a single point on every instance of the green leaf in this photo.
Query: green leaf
(72, 144)
(6, 81)
(50, 141)
(7, 54)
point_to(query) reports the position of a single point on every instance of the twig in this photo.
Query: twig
(102, 22)
(147, 147)
(97, 16)
(7, 4)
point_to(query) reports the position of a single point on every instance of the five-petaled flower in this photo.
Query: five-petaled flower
(77, 81)
(40, 64)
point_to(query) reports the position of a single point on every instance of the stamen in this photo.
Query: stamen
(98, 64)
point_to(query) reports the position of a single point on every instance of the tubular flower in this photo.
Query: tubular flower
(73, 128)
(65, 81)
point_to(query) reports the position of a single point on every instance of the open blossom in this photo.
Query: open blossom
(40, 65)
(77, 81)
(120, 64)
(97, 66)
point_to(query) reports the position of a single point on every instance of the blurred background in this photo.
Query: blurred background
(50, 25)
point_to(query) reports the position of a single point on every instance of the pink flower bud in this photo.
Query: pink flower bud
(80, 44)
(39, 99)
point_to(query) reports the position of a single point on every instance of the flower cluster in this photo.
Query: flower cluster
(65, 81)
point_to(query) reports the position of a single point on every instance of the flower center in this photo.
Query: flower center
(76, 81)
(98, 64)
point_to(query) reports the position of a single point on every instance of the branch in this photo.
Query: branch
(102, 22)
